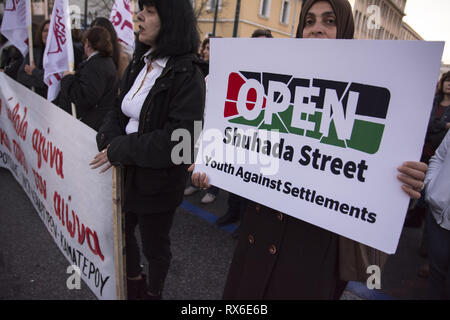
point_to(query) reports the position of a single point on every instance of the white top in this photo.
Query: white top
(437, 182)
(134, 99)
(92, 54)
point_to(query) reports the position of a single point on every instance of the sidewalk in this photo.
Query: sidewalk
(32, 267)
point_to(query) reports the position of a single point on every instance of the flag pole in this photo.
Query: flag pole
(69, 36)
(30, 32)
(29, 13)
(74, 109)
(46, 9)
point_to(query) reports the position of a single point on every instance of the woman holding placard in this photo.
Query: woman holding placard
(163, 90)
(281, 257)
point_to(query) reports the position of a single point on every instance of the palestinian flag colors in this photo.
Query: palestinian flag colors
(346, 115)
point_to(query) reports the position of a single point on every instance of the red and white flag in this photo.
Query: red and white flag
(122, 19)
(16, 19)
(58, 54)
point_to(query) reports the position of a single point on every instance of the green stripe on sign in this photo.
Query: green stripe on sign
(253, 123)
(366, 136)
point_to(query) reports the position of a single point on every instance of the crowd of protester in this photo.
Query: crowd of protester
(136, 102)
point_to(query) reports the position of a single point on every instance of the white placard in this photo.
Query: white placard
(348, 113)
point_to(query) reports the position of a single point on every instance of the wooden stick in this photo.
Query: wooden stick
(119, 234)
(30, 36)
(69, 36)
(74, 109)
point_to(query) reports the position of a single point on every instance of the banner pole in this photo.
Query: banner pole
(71, 59)
(29, 13)
(119, 233)
(30, 32)
(46, 9)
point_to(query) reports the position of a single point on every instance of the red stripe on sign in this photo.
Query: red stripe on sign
(235, 82)
(230, 109)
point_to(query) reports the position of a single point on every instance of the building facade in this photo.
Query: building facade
(374, 19)
(279, 16)
(382, 20)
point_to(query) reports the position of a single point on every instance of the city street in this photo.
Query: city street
(32, 267)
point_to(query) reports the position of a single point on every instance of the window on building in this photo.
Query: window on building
(264, 8)
(285, 10)
(211, 5)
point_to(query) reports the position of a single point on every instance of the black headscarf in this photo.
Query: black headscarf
(344, 18)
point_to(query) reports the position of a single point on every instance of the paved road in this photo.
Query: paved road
(32, 267)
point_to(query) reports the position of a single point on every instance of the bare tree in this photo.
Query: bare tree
(199, 8)
(102, 8)
(103, 5)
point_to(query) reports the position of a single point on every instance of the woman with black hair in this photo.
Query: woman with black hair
(93, 87)
(32, 75)
(163, 90)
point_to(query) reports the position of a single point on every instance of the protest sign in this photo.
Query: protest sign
(317, 128)
(48, 152)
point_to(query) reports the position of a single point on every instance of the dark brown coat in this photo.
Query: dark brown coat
(280, 257)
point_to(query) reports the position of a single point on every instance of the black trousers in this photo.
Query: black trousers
(154, 231)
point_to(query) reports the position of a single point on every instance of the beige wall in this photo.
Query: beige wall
(392, 26)
(250, 19)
